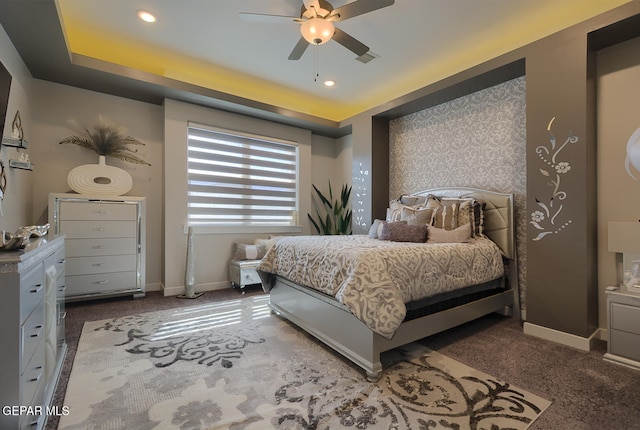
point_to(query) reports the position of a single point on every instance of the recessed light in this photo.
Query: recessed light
(329, 83)
(146, 16)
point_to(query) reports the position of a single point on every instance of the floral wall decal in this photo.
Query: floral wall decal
(546, 217)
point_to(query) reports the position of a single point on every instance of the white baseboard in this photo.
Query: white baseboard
(581, 343)
(154, 287)
(200, 288)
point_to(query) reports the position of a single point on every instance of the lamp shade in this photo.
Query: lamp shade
(633, 154)
(317, 31)
(624, 237)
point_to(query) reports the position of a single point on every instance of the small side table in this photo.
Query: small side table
(623, 314)
(243, 273)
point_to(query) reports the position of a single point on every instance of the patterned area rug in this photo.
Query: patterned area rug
(233, 365)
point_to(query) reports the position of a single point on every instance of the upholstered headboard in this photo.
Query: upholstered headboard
(499, 224)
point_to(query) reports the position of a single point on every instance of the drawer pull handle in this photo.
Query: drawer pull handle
(100, 229)
(100, 282)
(39, 368)
(103, 212)
(97, 264)
(61, 289)
(36, 289)
(62, 261)
(97, 247)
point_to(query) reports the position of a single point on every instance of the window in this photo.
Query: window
(239, 179)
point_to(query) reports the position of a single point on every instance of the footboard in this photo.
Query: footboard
(330, 322)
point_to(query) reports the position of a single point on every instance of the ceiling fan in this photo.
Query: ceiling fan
(317, 18)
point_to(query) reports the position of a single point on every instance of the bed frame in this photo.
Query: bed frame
(331, 322)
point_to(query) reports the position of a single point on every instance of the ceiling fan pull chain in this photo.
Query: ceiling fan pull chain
(315, 78)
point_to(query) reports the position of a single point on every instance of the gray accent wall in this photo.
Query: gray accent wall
(478, 140)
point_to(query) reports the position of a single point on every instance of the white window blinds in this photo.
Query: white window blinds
(238, 179)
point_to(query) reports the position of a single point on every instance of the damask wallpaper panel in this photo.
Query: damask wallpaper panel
(478, 140)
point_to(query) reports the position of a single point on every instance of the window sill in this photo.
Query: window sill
(234, 229)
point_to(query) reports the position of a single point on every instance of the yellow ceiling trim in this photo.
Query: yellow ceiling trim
(85, 40)
(110, 48)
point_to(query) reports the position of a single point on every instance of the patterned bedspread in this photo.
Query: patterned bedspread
(375, 278)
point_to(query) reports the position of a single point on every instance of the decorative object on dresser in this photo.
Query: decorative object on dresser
(32, 331)
(105, 244)
(106, 139)
(19, 239)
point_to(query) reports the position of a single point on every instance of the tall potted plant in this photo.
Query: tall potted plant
(334, 216)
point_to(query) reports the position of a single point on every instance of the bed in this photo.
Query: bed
(362, 296)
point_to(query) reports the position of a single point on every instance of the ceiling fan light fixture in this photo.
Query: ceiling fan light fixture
(317, 30)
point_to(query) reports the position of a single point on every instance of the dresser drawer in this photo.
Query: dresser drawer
(31, 291)
(33, 375)
(625, 318)
(97, 211)
(624, 344)
(31, 334)
(102, 246)
(107, 282)
(98, 229)
(101, 264)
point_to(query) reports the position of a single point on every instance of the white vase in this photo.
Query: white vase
(100, 179)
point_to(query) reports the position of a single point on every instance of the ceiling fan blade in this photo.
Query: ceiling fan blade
(269, 19)
(350, 43)
(299, 49)
(359, 7)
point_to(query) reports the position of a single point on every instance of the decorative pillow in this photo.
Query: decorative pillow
(394, 211)
(461, 234)
(445, 212)
(244, 251)
(382, 224)
(465, 214)
(478, 216)
(408, 200)
(373, 230)
(416, 215)
(403, 232)
(268, 243)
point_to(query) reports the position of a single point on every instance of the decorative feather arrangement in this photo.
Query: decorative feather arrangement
(107, 138)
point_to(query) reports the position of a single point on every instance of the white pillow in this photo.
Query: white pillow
(461, 234)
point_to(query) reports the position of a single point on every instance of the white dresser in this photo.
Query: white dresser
(32, 332)
(105, 244)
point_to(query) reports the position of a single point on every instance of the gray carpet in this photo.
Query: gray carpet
(587, 392)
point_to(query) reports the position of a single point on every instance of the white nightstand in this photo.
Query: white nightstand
(243, 273)
(623, 313)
